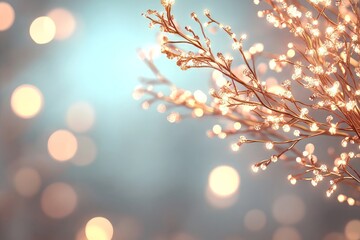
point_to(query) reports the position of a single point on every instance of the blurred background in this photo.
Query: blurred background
(81, 160)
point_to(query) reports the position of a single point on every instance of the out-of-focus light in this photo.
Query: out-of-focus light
(86, 152)
(334, 236)
(288, 209)
(7, 14)
(62, 145)
(58, 200)
(80, 117)
(286, 233)
(99, 228)
(352, 230)
(27, 182)
(26, 101)
(255, 220)
(65, 23)
(42, 30)
(224, 181)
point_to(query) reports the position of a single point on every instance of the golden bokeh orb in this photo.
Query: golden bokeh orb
(62, 145)
(7, 16)
(224, 181)
(99, 228)
(42, 30)
(26, 101)
(58, 200)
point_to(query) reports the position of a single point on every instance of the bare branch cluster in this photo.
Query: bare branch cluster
(319, 96)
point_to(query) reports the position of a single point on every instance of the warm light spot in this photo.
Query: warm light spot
(58, 200)
(99, 228)
(218, 201)
(7, 16)
(352, 230)
(42, 30)
(64, 21)
(255, 220)
(80, 117)
(288, 209)
(26, 101)
(27, 182)
(62, 145)
(283, 233)
(224, 181)
(86, 152)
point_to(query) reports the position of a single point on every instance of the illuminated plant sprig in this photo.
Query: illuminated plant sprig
(319, 98)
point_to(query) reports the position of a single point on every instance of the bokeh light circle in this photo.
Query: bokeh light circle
(7, 16)
(80, 117)
(224, 181)
(99, 228)
(288, 209)
(352, 230)
(255, 220)
(26, 101)
(62, 145)
(42, 30)
(27, 182)
(58, 200)
(65, 23)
